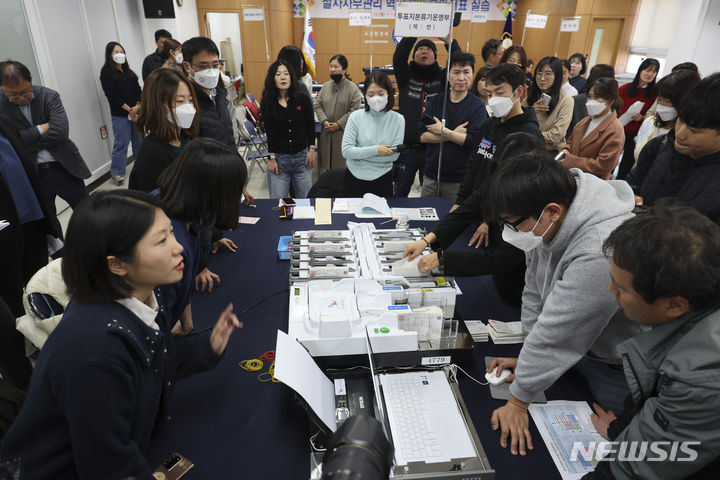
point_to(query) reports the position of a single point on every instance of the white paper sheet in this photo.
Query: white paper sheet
(423, 213)
(296, 368)
(302, 212)
(249, 220)
(374, 207)
(562, 423)
(634, 109)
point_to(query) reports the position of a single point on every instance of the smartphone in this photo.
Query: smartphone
(427, 120)
(287, 201)
(546, 98)
(173, 468)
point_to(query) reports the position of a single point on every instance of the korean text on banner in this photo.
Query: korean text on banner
(360, 19)
(415, 19)
(534, 20)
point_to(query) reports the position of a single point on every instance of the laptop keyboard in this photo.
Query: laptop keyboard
(414, 431)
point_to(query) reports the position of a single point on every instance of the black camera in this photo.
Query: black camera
(359, 450)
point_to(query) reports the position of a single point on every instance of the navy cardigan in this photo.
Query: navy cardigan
(99, 393)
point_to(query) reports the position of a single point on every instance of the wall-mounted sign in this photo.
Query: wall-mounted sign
(253, 14)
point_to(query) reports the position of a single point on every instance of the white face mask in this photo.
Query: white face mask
(594, 107)
(185, 115)
(666, 113)
(179, 58)
(377, 103)
(207, 78)
(525, 241)
(119, 58)
(501, 106)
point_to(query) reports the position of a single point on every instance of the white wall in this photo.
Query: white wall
(222, 26)
(182, 27)
(696, 36)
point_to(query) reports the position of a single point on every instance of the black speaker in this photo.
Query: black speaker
(159, 8)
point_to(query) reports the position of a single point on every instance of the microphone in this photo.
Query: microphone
(399, 148)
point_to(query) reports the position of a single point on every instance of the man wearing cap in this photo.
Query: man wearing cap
(417, 81)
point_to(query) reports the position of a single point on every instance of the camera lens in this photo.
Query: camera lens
(359, 450)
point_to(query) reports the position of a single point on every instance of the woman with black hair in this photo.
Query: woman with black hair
(104, 379)
(168, 118)
(294, 56)
(337, 99)
(577, 70)
(597, 140)
(289, 122)
(671, 90)
(368, 136)
(641, 89)
(553, 108)
(172, 54)
(202, 190)
(122, 90)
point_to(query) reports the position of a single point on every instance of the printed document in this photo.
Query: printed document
(561, 424)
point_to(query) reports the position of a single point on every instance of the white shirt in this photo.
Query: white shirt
(146, 313)
(568, 89)
(594, 122)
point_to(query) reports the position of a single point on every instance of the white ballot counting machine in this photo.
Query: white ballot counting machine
(344, 280)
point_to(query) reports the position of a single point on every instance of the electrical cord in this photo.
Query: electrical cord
(241, 312)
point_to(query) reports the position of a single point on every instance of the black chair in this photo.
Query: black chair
(14, 365)
(329, 185)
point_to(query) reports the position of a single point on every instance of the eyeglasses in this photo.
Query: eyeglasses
(17, 96)
(205, 66)
(512, 225)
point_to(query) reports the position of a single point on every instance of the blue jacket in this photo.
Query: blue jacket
(100, 391)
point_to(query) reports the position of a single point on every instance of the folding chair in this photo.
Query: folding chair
(257, 150)
(252, 98)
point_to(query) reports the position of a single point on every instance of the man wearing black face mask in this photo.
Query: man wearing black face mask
(417, 81)
(337, 99)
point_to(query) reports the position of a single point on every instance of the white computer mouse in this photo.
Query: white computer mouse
(493, 378)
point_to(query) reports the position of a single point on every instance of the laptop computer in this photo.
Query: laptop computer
(427, 423)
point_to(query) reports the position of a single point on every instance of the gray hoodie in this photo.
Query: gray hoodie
(567, 310)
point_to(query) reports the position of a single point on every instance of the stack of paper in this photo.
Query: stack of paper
(478, 330)
(503, 333)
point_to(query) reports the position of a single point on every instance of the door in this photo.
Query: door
(605, 34)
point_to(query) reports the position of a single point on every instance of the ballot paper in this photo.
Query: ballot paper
(634, 109)
(296, 368)
(428, 214)
(564, 426)
(503, 333)
(249, 220)
(478, 330)
(407, 268)
(374, 207)
(322, 211)
(301, 212)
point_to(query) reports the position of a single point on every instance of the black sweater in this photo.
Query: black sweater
(120, 88)
(501, 260)
(99, 393)
(416, 85)
(152, 159)
(492, 134)
(289, 129)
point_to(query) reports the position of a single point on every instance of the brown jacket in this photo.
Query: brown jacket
(599, 152)
(335, 103)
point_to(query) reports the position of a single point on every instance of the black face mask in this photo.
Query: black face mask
(336, 77)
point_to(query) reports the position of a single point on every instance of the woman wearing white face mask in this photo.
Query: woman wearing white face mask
(122, 90)
(369, 135)
(168, 118)
(172, 53)
(671, 91)
(597, 140)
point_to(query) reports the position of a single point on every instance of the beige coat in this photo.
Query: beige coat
(334, 103)
(554, 126)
